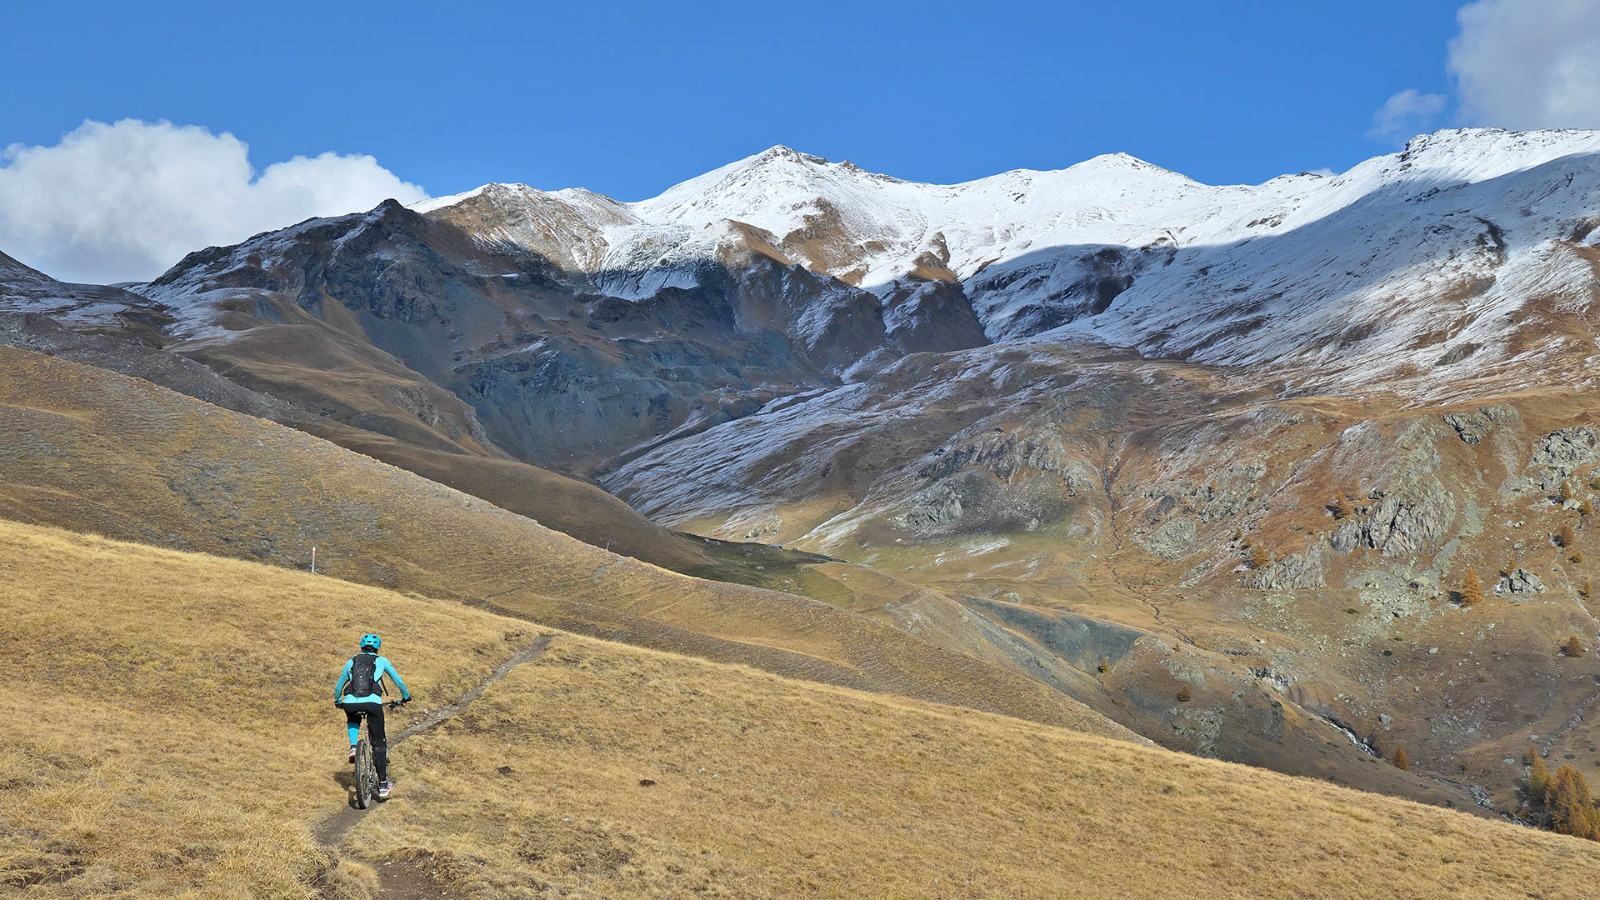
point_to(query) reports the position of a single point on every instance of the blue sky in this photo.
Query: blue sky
(628, 98)
(133, 133)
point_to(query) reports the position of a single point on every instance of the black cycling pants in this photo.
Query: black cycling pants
(375, 733)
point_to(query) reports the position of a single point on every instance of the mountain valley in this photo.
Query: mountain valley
(1101, 450)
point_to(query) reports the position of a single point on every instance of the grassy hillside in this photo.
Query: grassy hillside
(388, 432)
(393, 428)
(96, 451)
(167, 717)
(100, 486)
(1306, 551)
(169, 732)
(90, 450)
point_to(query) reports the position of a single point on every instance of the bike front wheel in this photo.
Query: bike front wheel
(366, 775)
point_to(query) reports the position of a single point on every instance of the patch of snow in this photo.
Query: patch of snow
(1126, 252)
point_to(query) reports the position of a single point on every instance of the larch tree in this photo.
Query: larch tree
(1259, 557)
(1571, 805)
(1538, 778)
(1565, 536)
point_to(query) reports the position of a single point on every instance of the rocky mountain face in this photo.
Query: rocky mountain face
(1216, 460)
(556, 372)
(1461, 225)
(24, 290)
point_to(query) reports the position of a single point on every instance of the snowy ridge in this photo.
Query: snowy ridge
(26, 290)
(1416, 262)
(1111, 199)
(1460, 225)
(198, 290)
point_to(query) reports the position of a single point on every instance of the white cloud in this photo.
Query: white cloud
(1517, 64)
(1405, 114)
(1524, 64)
(123, 202)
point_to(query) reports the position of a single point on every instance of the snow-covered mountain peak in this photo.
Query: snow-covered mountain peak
(512, 195)
(779, 176)
(1296, 178)
(1115, 245)
(781, 153)
(1124, 165)
(1540, 144)
(1470, 155)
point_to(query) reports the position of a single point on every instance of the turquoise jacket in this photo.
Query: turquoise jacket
(384, 667)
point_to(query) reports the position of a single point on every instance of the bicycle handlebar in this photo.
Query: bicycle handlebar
(392, 704)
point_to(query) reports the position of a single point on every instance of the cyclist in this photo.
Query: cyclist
(360, 690)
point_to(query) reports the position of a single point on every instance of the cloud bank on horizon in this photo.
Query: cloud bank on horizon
(1518, 64)
(124, 201)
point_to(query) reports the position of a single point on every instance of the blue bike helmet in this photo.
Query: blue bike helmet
(371, 642)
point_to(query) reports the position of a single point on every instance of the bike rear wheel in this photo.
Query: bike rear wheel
(366, 775)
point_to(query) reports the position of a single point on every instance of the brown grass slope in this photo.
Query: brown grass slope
(144, 690)
(1140, 493)
(393, 426)
(1049, 535)
(307, 373)
(1291, 745)
(90, 450)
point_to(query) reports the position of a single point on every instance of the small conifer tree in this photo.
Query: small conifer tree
(1564, 536)
(1105, 664)
(1588, 588)
(1400, 760)
(1538, 778)
(1567, 492)
(1471, 589)
(1572, 647)
(1259, 557)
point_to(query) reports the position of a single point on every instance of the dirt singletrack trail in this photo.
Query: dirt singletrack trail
(331, 832)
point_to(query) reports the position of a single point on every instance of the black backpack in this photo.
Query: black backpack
(364, 676)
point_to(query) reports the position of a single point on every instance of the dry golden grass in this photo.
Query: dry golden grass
(168, 733)
(336, 371)
(166, 718)
(569, 506)
(90, 450)
(767, 788)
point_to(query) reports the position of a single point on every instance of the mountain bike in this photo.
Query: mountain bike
(366, 771)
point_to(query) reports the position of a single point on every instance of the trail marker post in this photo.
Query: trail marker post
(313, 559)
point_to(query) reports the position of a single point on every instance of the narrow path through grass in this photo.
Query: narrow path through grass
(332, 832)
